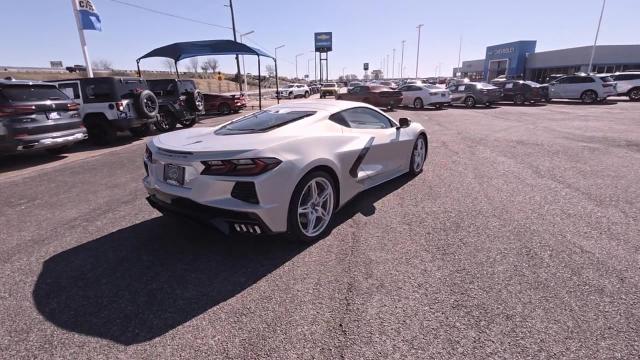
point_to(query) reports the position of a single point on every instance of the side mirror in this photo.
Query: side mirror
(404, 123)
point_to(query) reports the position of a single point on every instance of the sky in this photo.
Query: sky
(38, 31)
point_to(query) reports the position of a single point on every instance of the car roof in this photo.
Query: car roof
(330, 106)
(23, 82)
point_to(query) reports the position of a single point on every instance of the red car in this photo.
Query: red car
(224, 104)
(376, 95)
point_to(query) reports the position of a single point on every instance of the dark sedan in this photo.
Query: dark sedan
(379, 96)
(521, 92)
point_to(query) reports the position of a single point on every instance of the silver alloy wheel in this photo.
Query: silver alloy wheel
(419, 152)
(418, 104)
(589, 97)
(315, 206)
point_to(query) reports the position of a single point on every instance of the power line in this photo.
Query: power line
(171, 15)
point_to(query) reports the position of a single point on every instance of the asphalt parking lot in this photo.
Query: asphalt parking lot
(520, 240)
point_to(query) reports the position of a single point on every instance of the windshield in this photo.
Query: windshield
(24, 93)
(262, 121)
(486, 86)
(289, 86)
(329, 85)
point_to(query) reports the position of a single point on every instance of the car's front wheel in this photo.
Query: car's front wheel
(589, 97)
(312, 206)
(470, 102)
(418, 155)
(418, 104)
(634, 94)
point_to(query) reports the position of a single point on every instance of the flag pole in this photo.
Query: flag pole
(595, 42)
(83, 42)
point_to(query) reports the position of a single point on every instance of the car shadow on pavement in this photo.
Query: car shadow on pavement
(140, 282)
(580, 103)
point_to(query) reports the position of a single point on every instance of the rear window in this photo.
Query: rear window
(167, 87)
(606, 79)
(263, 121)
(24, 93)
(329, 85)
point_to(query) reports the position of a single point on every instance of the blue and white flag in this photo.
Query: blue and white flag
(89, 18)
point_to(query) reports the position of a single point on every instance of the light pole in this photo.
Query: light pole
(393, 64)
(402, 60)
(315, 66)
(343, 72)
(233, 28)
(275, 55)
(308, 76)
(244, 72)
(419, 27)
(593, 50)
(298, 55)
(387, 67)
(459, 55)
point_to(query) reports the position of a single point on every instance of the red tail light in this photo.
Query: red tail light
(239, 167)
(10, 110)
(606, 85)
(120, 106)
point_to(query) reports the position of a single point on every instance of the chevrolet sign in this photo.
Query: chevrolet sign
(323, 41)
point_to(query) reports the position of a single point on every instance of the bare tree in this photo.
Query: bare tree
(193, 62)
(213, 64)
(102, 64)
(205, 68)
(169, 64)
(271, 70)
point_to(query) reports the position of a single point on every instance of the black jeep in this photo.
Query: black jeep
(180, 103)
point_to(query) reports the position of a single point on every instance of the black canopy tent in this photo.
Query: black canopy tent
(183, 50)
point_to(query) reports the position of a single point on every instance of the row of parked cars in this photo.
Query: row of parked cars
(54, 115)
(588, 88)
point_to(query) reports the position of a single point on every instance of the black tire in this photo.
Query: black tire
(189, 122)
(141, 131)
(224, 108)
(418, 103)
(101, 132)
(146, 104)
(306, 94)
(634, 94)
(412, 167)
(165, 122)
(438, 106)
(294, 230)
(519, 99)
(58, 150)
(489, 104)
(291, 96)
(589, 97)
(470, 102)
(195, 101)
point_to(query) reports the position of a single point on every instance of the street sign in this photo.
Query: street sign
(323, 41)
(366, 66)
(56, 64)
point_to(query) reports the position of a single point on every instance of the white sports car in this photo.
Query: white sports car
(421, 95)
(286, 169)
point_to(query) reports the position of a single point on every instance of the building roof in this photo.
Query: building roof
(605, 54)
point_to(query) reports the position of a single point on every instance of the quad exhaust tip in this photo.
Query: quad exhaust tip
(247, 229)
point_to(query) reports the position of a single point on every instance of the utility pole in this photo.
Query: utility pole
(387, 63)
(459, 56)
(343, 72)
(593, 50)
(244, 72)
(275, 54)
(233, 26)
(402, 60)
(393, 64)
(308, 76)
(419, 27)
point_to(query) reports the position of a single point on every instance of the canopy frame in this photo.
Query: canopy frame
(184, 50)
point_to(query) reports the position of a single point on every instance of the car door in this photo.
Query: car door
(457, 92)
(507, 90)
(407, 96)
(568, 87)
(350, 94)
(72, 90)
(386, 151)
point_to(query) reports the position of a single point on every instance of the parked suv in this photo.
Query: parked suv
(294, 90)
(628, 84)
(36, 115)
(180, 102)
(520, 91)
(470, 94)
(112, 104)
(328, 89)
(587, 88)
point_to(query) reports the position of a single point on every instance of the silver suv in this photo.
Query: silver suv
(587, 88)
(628, 84)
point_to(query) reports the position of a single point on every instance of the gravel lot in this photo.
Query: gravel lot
(520, 240)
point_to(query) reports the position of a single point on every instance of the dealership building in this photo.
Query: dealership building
(519, 59)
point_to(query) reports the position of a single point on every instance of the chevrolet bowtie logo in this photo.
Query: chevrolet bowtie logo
(323, 37)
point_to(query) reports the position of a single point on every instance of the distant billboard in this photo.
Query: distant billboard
(366, 66)
(56, 64)
(323, 41)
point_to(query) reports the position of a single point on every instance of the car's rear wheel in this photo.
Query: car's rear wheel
(312, 206)
(189, 122)
(634, 94)
(224, 108)
(438, 106)
(291, 96)
(470, 102)
(589, 97)
(306, 94)
(418, 103)
(165, 122)
(418, 155)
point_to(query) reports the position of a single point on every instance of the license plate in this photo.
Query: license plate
(52, 115)
(174, 174)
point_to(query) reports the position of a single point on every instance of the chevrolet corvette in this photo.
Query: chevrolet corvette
(286, 169)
